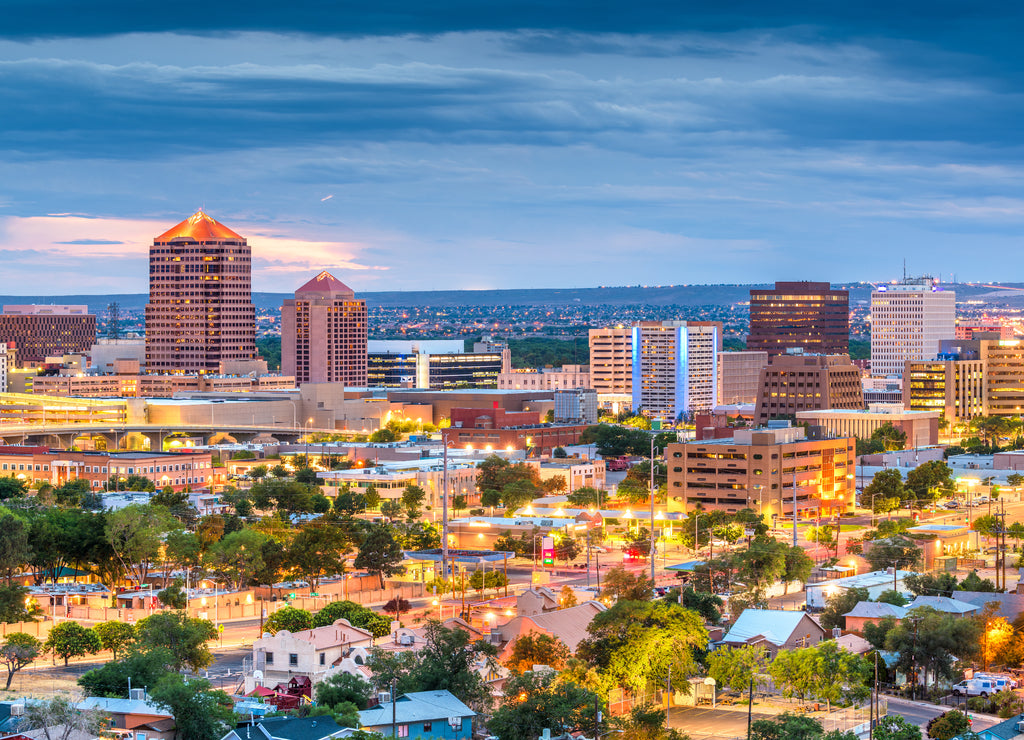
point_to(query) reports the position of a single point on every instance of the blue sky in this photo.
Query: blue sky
(465, 144)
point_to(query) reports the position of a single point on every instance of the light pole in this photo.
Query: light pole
(305, 429)
(652, 511)
(444, 507)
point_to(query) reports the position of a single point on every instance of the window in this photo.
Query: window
(427, 726)
(270, 659)
(403, 731)
(323, 658)
(293, 659)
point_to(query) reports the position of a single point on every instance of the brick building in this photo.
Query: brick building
(39, 332)
(799, 382)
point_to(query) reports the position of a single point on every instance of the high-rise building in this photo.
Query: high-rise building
(758, 469)
(908, 320)
(799, 315)
(200, 313)
(798, 382)
(611, 366)
(739, 374)
(430, 363)
(40, 331)
(323, 334)
(675, 367)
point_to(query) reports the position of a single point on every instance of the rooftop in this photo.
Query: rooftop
(325, 282)
(775, 625)
(201, 228)
(862, 580)
(417, 706)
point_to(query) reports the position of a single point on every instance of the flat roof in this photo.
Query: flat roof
(461, 556)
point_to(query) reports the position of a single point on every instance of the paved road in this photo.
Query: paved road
(704, 722)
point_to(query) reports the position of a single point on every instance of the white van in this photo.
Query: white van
(1001, 681)
(975, 687)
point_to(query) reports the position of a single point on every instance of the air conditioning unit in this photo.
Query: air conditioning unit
(383, 697)
(407, 640)
(1020, 726)
(137, 694)
(17, 710)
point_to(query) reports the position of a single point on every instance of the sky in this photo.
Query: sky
(462, 144)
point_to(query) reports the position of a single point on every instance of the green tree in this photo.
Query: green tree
(380, 553)
(17, 651)
(841, 674)
(70, 494)
(762, 564)
(793, 673)
(137, 668)
(621, 584)
(318, 550)
(357, 616)
(342, 687)
(735, 667)
(585, 497)
(928, 480)
(931, 584)
(71, 640)
(347, 503)
(898, 551)
(174, 596)
(11, 487)
(279, 471)
(288, 618)
(891, 438)
(839, 604)
(798, 567)
(885, 492)
(49, 714)
(258, 472)
(184, 637)
(568, 548)
(786, 726)
(636, 643)
(372, 497)
(412, 499)
(237, 558)
(537, 649)
(708, 605)
(199, 711)
(492, 579)
(535, 701)
(646, 722)
(115, 636)
(892, 596)
(614, 441)
(15, 549)
(929, 642)
(948, 725)
(894, 727)
(136, 535)
(973, 582)
(383, 435)
(14, 605)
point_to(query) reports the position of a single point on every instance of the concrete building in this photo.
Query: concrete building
(577, 473)
(107, 356)
(489, 345)
(799, 315)
(154, 386)
(798, 382)
(200, 312)
(739, 375)
(908, 320)
(437, 406)
(758, 468)
(577, 406)
(439, 364)
(967, 331)
(921, 427)
(3, 372)
(38, 331)
(390, 479)
(497, 429)
(611, 367)
(323, 333)
(675, 367)
(547, 378)
(311, 653)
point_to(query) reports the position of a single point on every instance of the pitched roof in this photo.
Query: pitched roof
(338, 633)
(877, 610)
(853, 644)
(568, 625)
(123, 706)
(325, 282)
(295, 728)
(1010, 605)
(201, 228)
(1005, 730)
(944, 604)
(775, 625)
(417, 706)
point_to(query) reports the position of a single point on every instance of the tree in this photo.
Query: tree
(199, 711)
(383, 435)
(559, 453)
(891, 438)
(892, 596)
(357, 616)
(481, 580)
(622, 585)
(136, 534)
(708, 605)
(735, 667)
(237, 558)
(318, 550)
(185, 637)
(288, 618)
(841, 674)
(115, 636)
(15, 550)
(537, 649)
(70, 640)
(17, 651)
(60, 719)
(496, 473)
(839, 604)
(931, 584)
(11, 487)
(948, 725)
(636, 643)
(568, 548)
(793, 673)
(372, 496)
(342, 687)
(798, 567)
(973, 582)
(585, 497)
(137, 668)
(895, 727)
(174, 596)
(898, 551)
(762, 564)
(929, 479)
(786, 726)
(646, 722)
(380, 553)
(885, 492)
(258, 472)
(348, 503)
(14, 606)
(614, 441)
(566, 597)
(412, 498)
(538, 701)
(929, 642)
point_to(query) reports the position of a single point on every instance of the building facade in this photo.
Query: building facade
(576, 406)
(955, 388)
(798, 382)
(908, 320)
(323, 334)
(434, 364)
(548, 378)
(39, 332)
(921, 427)
(799, 315)
(739, 375)
(200, 312)
(758, 468)
(675, 367)
(611, 366)
(154, 386)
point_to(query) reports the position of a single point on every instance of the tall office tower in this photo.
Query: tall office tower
(323, 334)
(675, 367)
(611, 367)
(39, 332)
(200, 313)
(908, 320)
(802, 315)
(798, 382)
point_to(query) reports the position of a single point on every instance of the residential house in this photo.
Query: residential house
(291, 728)
(141, 719)
(312, 653)
(536, 600)
(428, 715)
(945, 604)
(568, 625)
(1008, 729)
(1010, 604)
(872, 612)
(875, 582)
(774, 630)
(854, 644)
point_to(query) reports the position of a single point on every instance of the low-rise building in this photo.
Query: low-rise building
(547, 378)
(430, 715)
(576, 406)
(921, 427)
(774, 630)
(313, 653)
(875, 582)
(390, 479)
(577, 473)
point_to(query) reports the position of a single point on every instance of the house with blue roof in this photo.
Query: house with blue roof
(1008, 729)
(430, 715)
(774, 630)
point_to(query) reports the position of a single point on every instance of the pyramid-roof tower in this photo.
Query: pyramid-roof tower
(200, 227)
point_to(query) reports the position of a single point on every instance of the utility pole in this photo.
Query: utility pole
(652, 512)
(750, 705)
(794, 502)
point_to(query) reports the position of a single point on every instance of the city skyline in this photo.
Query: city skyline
(528, 148)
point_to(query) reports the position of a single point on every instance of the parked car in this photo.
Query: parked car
(975, 687)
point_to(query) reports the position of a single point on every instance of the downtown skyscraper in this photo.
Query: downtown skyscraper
(200, 316)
